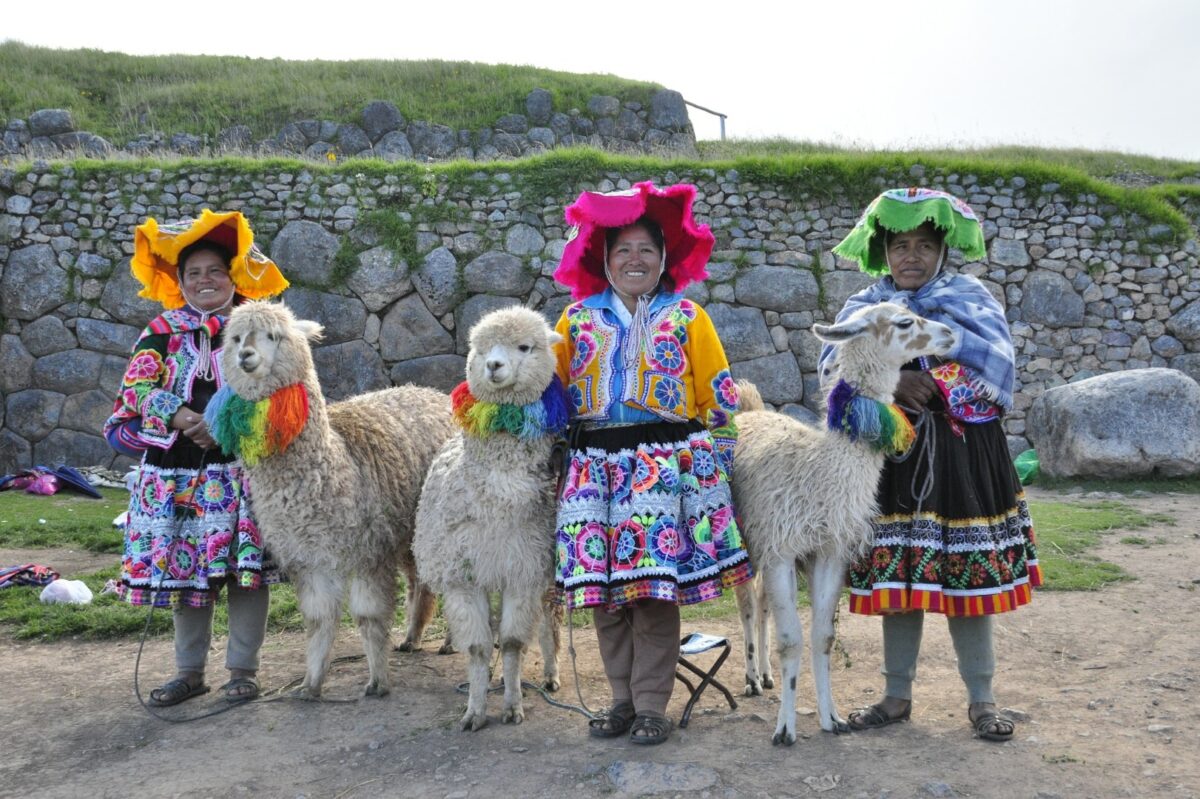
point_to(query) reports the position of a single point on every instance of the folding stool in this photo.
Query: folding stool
(690, 646)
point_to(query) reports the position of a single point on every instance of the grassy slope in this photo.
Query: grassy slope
(117, 95)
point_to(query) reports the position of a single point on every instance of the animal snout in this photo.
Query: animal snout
(497, 370)
(248, 360)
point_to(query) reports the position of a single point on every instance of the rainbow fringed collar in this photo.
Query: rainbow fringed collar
(547, 416)
(884, 427)
(251, 431)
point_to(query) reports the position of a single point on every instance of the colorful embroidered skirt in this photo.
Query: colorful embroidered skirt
(970, 551)
(646, 513)
(190, 530)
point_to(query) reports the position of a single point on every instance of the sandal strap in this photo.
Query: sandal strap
(655, 725)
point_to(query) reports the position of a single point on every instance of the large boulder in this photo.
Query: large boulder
(668, 111)
(777, 377)
(777, 288)
(442, 372)
(1123, 424)
(498, 273)
(51, 122)
(349, 369)
(381, 277)
(1186, 323)
(1049, 299)
(344, 318)
(409, 330)
(381, 117)
(33, 284)
(743, 332)
(305, 250)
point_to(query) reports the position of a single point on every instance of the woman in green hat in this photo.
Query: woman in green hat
(954, 534)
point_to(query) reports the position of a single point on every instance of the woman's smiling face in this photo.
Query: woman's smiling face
(634, 261)
(206, 282)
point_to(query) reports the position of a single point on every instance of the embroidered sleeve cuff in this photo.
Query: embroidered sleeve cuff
(157, 409)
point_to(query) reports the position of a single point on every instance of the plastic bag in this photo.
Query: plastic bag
(1027, 466)
(73, 592)
(44, 484)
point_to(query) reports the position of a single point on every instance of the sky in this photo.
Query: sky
(1099, 75)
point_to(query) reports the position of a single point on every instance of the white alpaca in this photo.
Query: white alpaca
(336, 506)
(486, 518)
(807, 498)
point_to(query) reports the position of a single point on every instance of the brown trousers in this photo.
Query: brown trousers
(640, 647)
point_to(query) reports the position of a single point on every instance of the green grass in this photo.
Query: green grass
(117, 95)
(1151, 485)
(66, 519)
(1099, 164)
(1067, 530)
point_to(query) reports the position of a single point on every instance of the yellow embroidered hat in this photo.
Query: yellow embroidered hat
(156, 251)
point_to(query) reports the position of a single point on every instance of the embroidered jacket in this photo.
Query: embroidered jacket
(682, 373)
(159, 378)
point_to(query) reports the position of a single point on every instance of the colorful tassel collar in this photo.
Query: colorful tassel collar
(547, 416)
(251, 431)
(884, 427)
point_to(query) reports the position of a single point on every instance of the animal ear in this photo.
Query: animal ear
(553, 337)
(840, 332)
(313, 331)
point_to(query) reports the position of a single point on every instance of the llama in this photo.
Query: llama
(807, 497)
(485, 522)
(335, 487)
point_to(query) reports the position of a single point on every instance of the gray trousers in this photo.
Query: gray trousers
(972, 637)
(247, 629)
(640, 647)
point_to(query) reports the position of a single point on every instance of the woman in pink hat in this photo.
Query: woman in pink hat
(645, 519)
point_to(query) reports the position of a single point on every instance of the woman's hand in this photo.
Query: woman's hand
(192, 425)
(915, 389)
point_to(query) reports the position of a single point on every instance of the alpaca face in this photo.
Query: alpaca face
(266, 349)
(511, 357)
(894, 334)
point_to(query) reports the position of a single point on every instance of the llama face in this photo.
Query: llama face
(266, 349)
(511, 358)
(897, 334)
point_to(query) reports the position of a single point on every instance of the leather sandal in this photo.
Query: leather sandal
(176, 691)
(874, 716)
(992, 726)
(650, 729)
(614, 723)
(240, 689)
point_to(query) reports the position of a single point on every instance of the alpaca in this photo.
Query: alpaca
(335, 487)
(807, 497)
(485, 522)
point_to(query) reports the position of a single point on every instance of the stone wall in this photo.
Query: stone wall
(381, 131)
(400, 262)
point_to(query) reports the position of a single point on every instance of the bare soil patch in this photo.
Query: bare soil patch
(1104, 683)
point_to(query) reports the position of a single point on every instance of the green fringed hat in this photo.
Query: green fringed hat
(902, 210)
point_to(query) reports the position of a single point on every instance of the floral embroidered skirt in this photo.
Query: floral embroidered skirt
(190, 531)
(646, 513)
(971, 549)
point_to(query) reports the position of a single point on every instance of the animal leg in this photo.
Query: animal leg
(519, 612)
(373, 606)
(550, 639)
(319, 596)
(780, 582)
(470, 623)
(747, 600)
(764, 637)
(419, 606)
(824, 590)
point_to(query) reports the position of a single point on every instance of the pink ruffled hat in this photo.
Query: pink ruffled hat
(688, 243)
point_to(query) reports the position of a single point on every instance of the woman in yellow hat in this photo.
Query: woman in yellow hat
(190, 528)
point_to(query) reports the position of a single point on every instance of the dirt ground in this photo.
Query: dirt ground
(1100, 682)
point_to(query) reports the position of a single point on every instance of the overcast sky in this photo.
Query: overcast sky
(1096, 74)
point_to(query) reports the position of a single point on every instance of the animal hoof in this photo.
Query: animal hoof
(783, 737)
(373, 688)
(513, 715)
(473, 721)
(406, 646)
(839, 727)
(447, 649)
(306, 693)
(767, 682)
(753, 689)
(551, 684)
